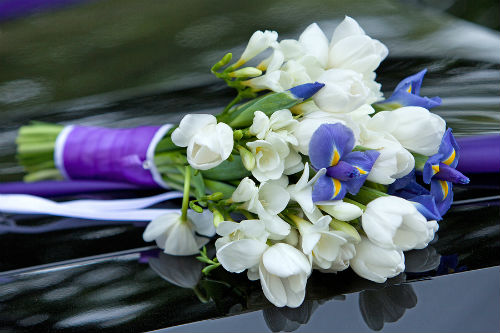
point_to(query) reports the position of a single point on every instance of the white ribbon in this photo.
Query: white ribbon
(110, 210)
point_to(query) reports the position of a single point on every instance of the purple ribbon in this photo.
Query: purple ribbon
(479, 154)
(116, 155)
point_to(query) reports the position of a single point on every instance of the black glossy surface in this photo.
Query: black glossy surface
(121, 63)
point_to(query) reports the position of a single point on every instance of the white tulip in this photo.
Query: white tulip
(351, 48)
(394, 160)
(344, 91)
(414, 127)
(259, 42)
(341, 210)
(375, 263)
(283, 272)
(394, 223)
(310, 123)
(208, 143)
(270, 157)
(177, 237)
(315, 43)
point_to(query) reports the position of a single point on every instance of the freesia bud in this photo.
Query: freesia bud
(258, 43)
(246, 72)
(218, 217)
(247, 158)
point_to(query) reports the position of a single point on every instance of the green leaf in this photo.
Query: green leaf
(227, 170)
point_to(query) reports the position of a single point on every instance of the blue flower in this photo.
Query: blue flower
(346, 170)
(439, 170)
(408, 188)
(407, 93)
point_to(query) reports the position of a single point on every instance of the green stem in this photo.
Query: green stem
(235, 101)
(367, 194)
(185, 198)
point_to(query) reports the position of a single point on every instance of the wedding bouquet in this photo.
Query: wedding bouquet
(309, 167)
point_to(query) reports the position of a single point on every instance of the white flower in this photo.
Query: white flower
(258, 43)
(302, 191)
(325, 247)
(341, 210)
(351, 48)
(393, 162)
(241, 245)
(283, 272)
(274, 80)
(394, 223)
(208, 143)
(177, 237)
(414, 127)
(281, 122)
(270, 157)
(375, 263)
(267, 201)
(315, 43)
(344, 91)
(314, 119)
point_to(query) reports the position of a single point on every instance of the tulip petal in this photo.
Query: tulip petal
(284, 260)
(329, 143)
(272, 287)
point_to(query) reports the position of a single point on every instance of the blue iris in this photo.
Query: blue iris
(346, 170)
(407, 93)
(440, 172)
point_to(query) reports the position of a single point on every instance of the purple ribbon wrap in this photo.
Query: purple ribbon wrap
(118, 155)
(479, 154)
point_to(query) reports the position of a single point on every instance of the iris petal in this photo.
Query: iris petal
(363, 161)
(329, 143)
(327, 188)
(449, 149)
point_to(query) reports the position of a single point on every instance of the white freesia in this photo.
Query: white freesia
(259, 42)
(281, 122)
(270, 157)
(267, 201)
(324, 246)
(394, 160)
(208, 143)
(177, 237)
(241, 245)
(283, 272)
(351, 48)
(301, 192)
(277, 80)
(344, 91)
(394, 223)
(375, 263)
(414, 127)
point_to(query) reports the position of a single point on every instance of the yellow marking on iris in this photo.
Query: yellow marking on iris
(450, 159)
(336, 157)
(337, 185)
(444, 187)
(361, 171)
(409, 89)
(435, 168)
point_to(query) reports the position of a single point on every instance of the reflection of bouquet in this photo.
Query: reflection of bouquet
(321, 167)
